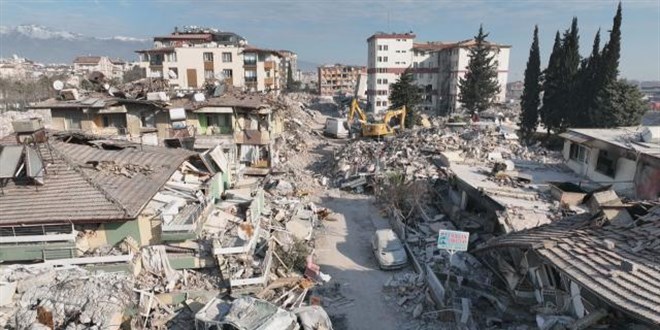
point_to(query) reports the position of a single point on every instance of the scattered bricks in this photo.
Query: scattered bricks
(628, 266)
(609, 244)
(548, 244)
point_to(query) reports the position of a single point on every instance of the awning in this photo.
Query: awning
(575, 137)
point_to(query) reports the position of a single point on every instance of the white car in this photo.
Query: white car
(388, 249)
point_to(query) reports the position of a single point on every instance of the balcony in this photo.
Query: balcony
(269, 65)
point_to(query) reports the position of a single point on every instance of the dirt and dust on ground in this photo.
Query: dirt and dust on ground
(360, 294)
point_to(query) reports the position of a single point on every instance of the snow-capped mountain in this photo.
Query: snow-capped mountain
(49, 45)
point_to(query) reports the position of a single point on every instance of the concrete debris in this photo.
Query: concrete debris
(69, 298)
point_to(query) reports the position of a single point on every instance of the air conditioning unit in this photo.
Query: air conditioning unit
(27, 126)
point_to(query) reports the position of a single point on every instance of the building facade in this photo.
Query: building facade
(338, 79)
(111, 68)
(190, 58)
(437, 68)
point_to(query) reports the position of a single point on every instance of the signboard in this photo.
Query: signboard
(453, 240)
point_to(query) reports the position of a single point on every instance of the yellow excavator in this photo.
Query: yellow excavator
(376, 129)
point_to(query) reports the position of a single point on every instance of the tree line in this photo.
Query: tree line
(578, 92)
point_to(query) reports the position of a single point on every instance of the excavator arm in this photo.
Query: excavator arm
(355, 108)
(399, 113)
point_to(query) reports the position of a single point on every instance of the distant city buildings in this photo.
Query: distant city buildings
(18, 68)
(111, 68)
(437, 67)
(514, 91)
(309, 80)
(339, 79)
(190, 57)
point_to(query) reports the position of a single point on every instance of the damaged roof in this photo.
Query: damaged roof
(89, 181)
(599, 258)
(249, 101)
(92, 101)
(622, 137)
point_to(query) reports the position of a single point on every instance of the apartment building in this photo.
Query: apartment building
(437, 68)
(191, 57)
(111, 68)
(289, 60)
(389, 55)
(338, 79)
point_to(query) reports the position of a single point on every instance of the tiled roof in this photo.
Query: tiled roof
(576, 247)
(75, 191)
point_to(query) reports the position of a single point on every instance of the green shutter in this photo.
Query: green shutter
(202, 123)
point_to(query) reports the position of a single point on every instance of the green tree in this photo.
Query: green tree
(551, 109)
(627, 104)
(530, 99)
(404, 92)
(479, 87)
(606, 110)
(569, 64)
(589, 81)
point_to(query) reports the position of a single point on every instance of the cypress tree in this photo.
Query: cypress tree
(550, 111)
(588, 83)
(480, 86)
(530, 99)
(606, 110)
(568, 68)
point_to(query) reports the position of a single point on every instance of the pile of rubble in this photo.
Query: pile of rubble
(67, 298)
(128, 170)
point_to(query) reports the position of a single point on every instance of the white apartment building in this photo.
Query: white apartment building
(437, 68)
(389, 56)
(190, 58)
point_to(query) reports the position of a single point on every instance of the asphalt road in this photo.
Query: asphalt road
(344, 252)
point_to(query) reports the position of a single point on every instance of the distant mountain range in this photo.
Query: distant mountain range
(47, 45)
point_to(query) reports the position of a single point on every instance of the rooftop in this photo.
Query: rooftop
(383, 35)
(88, 180)
(576, 246)
(623, 137)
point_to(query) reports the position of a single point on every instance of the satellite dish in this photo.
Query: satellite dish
(172, 74)
(58, 85)
(106, 86)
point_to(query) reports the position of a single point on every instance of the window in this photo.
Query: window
(415, 64)
(147, 119)
(606, 163)
(378, 81)
(250, 59)
(384, 58)
(385, 47)
(250, 75)
(208, 57)
(228, 73)
(398, 51)
(380, 59)
(384, 103)
(377, 103)
(380, 47)
(579, 153)
(171, 57)
(226, 57)
(208, 74)
(175, 73)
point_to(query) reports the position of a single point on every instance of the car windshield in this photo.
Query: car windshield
(393, 245)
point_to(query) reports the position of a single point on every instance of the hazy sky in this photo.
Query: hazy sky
(336, 31)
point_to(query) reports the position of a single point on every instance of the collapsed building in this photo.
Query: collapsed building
(584, 268)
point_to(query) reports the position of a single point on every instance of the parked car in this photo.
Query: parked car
(388, 249)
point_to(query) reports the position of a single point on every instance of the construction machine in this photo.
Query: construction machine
(376, 129)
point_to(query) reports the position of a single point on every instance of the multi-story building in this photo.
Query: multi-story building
(338, 79)
(437, 68)
(289, 60)
(111, 68)
(190, 58)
